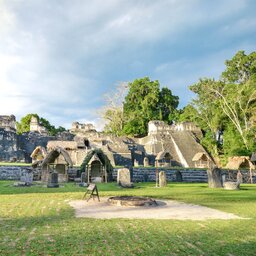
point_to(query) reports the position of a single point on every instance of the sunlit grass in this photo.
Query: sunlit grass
(38, 221)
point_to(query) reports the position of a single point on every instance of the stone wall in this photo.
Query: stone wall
(188, 174)
(13, 172)
(9, 150)
(29, 141)
(149, 174)
(137, 174)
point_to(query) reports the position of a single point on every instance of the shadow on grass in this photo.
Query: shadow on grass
(37, 221)
(136, 237)
(7, 188)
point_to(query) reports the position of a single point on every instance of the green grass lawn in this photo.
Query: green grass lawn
(38, 221)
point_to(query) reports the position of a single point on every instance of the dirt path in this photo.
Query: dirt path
(166, 209)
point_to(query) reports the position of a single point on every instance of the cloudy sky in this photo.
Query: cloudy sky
(59, 57)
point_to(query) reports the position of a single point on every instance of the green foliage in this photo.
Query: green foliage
(112, 112)
(24, 125)
(140, 105)
(229, 102)
(145, 102)
(189, 113)
(232, 143)
(167, 104)
(45, 123)
(240, 68)
(114, 116)
(209, 142)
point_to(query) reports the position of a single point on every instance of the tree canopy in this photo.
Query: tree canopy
(131, 106)
(145, 101)
(112, 112)
(229, 105)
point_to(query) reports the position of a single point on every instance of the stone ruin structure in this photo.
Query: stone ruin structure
(8, 123)
(164, 146)
(35, 127)
(56, 161)
(9, 149)
(78, 127)
(173, 145)
(18, 148)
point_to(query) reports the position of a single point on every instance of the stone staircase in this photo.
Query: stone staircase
(187, 145)
(169, 146)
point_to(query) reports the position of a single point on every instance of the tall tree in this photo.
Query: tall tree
(167, 105)
(231, 100)
(240, 68)
(140, 105)
(112, 112)
(131, 106)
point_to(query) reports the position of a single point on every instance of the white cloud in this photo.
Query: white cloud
(59, 59)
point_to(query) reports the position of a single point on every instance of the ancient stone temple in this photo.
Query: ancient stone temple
(181, 141)
(97, 167)
(8, 123)
(78, 127)
(35, 127)
(165, 145)
(57, 160)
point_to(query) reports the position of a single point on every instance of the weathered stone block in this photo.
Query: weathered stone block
(27, 177)
(53, 180)
(124, 177)
(162, 179)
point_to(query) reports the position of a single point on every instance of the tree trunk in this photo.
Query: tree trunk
(214, 178)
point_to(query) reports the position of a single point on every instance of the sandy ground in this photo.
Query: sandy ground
(166, 209)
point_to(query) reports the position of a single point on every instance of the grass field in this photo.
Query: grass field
(39, 221)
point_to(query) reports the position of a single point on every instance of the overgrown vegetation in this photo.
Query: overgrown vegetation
(24, 125)
(224, 109)
(227, 107)
(133, 105)
(39, 221)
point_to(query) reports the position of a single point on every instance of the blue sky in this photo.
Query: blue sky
(59, 57)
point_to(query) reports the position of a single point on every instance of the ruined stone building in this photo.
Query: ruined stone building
(180, 141)
(36, 127)
(165, 145)
(9, 149)
(8, 123)
(14, 147)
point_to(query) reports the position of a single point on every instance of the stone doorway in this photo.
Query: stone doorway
(62, 172)
(96, 169)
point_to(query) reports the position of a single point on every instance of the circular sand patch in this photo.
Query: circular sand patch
(166, 209)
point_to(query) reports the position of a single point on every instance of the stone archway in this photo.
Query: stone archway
(164, 159)
(97, 167)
